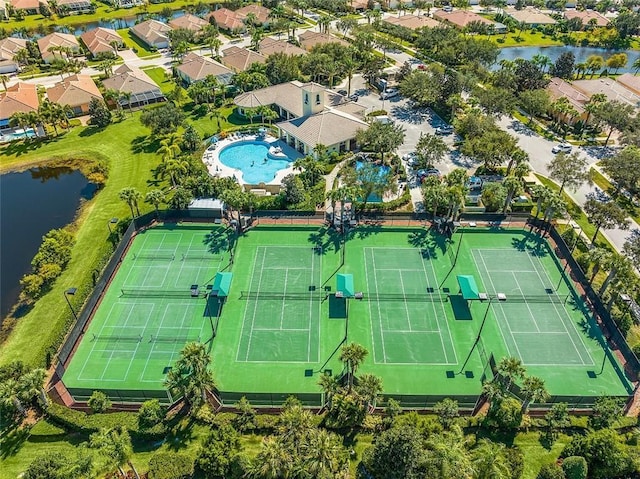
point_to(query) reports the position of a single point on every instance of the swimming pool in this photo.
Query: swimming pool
(254, 161)
(383, 171)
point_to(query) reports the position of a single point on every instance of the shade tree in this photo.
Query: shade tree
(604, 213)
(571, 170)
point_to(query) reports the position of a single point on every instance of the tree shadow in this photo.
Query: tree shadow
(496, 435)
(217, 241)
(24, 147)
(145, 144)
(324, 240)
(12, 441)
(181, 434)
(90, 131)
(546, 439)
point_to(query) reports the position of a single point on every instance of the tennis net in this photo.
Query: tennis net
(127, 338)
(156, 293)
(323, 295)
(200, 257)
(155, 256)
(180, 339)
(542, 298)
(300, 296)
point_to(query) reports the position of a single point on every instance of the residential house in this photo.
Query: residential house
(196, 68)
(630, 82)
(21, 97)
(558, 88)
(227, 20)
(311, 114)
(240, 59)
(461, 19)
(127, 3)
(309, 39)
(4, 13)
(135, 87)
(26, 7)
(55, 45)
(530, 16)
(153, 33)
(261, 14)
(101, 40)
(74, 6)
(609, 87)
(412, 22)
(188, 22)
(269, 46)
(8, 48)
(358, 5)
(587, 17)
(76, 91)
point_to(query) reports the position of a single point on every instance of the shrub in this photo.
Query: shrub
(150, 414)
(550, 471)
(515, 460)
(99, 402)
(493, 196)
(266, 423)
(507, 415)
(170, 465)
(575, 467)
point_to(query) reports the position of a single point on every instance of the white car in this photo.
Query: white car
(389, 93)
(562, 147)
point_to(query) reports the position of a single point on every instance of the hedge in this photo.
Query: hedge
(79, 421)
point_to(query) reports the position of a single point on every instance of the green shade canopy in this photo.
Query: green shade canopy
(222, 284)
(345, 285)
(468, 286)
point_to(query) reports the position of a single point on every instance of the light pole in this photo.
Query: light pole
(67, 293)
(112, 221)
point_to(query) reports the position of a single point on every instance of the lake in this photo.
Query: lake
(32, 203)
(581, 54)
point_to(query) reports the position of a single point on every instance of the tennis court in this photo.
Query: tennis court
(155, 304)
(276, 327)
(537, 331)
(407, 311)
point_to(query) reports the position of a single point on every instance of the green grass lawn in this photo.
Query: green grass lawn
(535, 454)
(524, 39)
(132, 42)
(159, 76)
(131, 159)
(605, 185)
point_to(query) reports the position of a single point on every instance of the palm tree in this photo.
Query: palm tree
(449, 455)
(115, 445)
(10, 396)
(533, 390)
(190, 376)
(175, 168)
(352, 355)
(494, 391)
(510, 369)
(169, 147)
(325, 456)
(512, 184)
(34, 119)
(369, 386)
(433, 193)
(593, 104)
(489, 461)
(19, 119)
(594, 63)
(597, 257)
(330, 385)
(4, 79)
(155, 197)
(31, 385)
(636, 65)
(131, 196)
(125, 96)
(274, 460)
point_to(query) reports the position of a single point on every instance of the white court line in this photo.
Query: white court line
(401, 269)
(295, 268)
(406, 305)
(133, 356)
(562, 317)
(282, 303)
(430, 331)
(297, 330)
(480, 270)
(255, 308)
(244, 317)
(444, 315)
(375, 277)
(373, 342)
(531, 315)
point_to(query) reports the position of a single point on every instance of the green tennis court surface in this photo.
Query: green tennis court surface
(282, 326)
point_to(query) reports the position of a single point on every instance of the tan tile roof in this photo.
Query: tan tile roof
(21, 97)
(188, 22)
(74, 91)
(559, 88)
(286, 95)
(412, 22)
(25, 4)
(99, 40)
(84, 3)
(131, 80)
(612, 89)
(328, 127)
(352, 108)
(261, 13)
(56, 40)
(586, 15)
(632, 82)
(151, 31)
(310, 39)
(10, 46)
(227, 19)
(460, 18)
(196, 68)
(269, 46)
(530, 16)
(240, 59)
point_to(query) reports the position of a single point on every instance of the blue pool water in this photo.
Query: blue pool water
(383, 170)
(249, 158)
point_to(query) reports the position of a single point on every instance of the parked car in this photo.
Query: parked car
(354, 97)
(444, 130)
(447, 8)
(562, 147)
(342, 92)
(389, 93)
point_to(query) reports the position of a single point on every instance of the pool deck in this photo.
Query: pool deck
(216, 168)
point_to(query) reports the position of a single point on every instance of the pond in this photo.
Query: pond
(32, 203)
(581, 54)
(114, 23)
